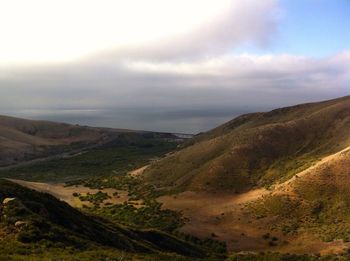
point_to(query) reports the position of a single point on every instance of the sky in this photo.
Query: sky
(165, 65)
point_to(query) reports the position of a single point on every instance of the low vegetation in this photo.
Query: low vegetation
(95, 199)
(142, 209)
(114, 158)
(38, 225)
(317, 202)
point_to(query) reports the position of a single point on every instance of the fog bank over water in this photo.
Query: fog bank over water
(189, 121)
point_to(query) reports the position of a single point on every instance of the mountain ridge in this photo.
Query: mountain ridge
(256, 149)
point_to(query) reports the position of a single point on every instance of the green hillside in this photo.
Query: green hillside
(23, 140)
(127, 152)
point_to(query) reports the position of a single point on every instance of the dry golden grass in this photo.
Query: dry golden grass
(334, 164)
(225, 216)
(228, 216)
(220, 214)
(257, 149)
(64, 193)
(301, 156)
(22, 139)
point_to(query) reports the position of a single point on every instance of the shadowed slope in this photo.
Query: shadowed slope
(39, 218)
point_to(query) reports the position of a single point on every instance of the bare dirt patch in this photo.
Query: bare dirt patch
(138, 172)
(222, 217)
(64, 193)
(219, 215)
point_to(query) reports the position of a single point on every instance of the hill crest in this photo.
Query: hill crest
(256, 149)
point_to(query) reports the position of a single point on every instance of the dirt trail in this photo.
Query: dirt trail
(138, 172)
(286, 187)
(223, 216)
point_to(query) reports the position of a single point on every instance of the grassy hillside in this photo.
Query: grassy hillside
(317, 200)
(256, 149)
(39, 225)
(127, 152)
(23, 140)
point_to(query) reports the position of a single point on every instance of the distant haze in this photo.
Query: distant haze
(188, 121)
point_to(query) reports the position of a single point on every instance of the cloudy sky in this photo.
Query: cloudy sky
(166, 65)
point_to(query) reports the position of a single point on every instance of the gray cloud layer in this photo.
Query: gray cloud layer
(226, 81)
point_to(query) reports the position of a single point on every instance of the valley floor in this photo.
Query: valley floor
(223, 217)
(65, 193)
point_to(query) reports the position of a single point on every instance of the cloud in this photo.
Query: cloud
(110, 78)
(230, 80)
(249, 21)
(45, 31)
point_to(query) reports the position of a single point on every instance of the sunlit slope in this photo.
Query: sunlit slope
(315, 200)
(257, 149)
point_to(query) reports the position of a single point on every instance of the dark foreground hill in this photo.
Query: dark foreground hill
(33, 223)
(257, 149)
